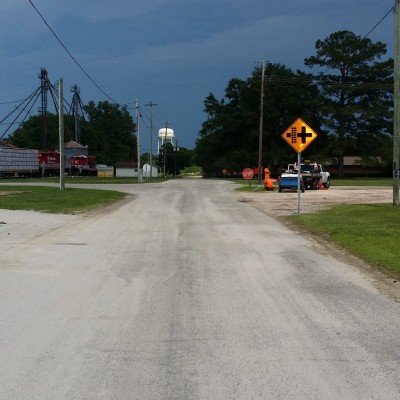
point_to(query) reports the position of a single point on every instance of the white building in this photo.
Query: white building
(129, 169)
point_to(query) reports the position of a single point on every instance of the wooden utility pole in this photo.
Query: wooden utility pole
(151, 104)
(61, 131)
(138, 140)
(260, 136)
(396, 130)
(165, 149)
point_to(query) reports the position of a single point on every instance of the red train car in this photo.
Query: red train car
(83, 165)
(19, 162)
(49, 163)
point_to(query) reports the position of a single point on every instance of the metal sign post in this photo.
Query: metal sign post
(298, 181)
(248, 174)
(299, 135)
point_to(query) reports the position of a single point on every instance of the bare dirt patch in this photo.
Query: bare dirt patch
(278, 205)
(8, 193)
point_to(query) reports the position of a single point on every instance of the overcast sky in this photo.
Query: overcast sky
(171, 52)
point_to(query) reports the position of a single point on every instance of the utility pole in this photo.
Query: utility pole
(138, 139)
(151, 104)
(175, 154)
(61, 131)
(165, 149)
(75, 109)
(44, 88)
(396, 130)
(260, 137)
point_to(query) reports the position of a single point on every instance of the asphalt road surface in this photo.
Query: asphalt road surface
(183, 292)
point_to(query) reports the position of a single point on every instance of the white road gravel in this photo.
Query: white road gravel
(184, 292)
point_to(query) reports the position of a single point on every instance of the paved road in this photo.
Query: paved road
(185, 293)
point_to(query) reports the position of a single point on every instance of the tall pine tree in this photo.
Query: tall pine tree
(356, 92)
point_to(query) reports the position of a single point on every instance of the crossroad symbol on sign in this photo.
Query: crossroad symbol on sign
(299, 135)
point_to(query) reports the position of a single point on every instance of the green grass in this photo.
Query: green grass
(53, 200)
(363, 182)
(370, 231)
(83, 179)
(249, 186)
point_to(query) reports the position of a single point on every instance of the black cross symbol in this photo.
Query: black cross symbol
(304, 135)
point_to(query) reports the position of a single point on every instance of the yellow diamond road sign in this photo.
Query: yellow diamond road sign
(299, 135)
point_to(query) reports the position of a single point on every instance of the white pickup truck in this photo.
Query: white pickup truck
(313, 175)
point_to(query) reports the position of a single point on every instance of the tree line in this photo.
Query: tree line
(107, 129)
(349, 103)
(109, 132)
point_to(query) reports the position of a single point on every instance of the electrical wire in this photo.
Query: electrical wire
(22, 102)
(392, 9)
(381, 20)
(288, 82)
(11, 102)
(69, 53)
(31, 101)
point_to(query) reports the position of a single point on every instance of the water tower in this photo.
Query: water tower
(165, 135)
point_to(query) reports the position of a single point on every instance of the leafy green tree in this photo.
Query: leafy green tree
(108, 132)
(183, 158)
(30, 134)
(229, 137)
(176, 159)
(356, 93)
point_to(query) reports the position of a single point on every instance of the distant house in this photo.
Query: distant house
(73, 148)
(355, 166)
(129, 169)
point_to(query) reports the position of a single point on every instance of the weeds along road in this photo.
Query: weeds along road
(183, 292)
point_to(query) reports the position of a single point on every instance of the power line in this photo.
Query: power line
(69, 53)
(30, 101)
(392, 9)
(381, 20)
(288, 82)
(11, 102)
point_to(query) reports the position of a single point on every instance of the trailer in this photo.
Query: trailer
(18, 162)
(289, 181)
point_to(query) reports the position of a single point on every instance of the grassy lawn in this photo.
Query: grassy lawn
(69, 201)
(371, 232)
(363, 182)
(83, 179)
